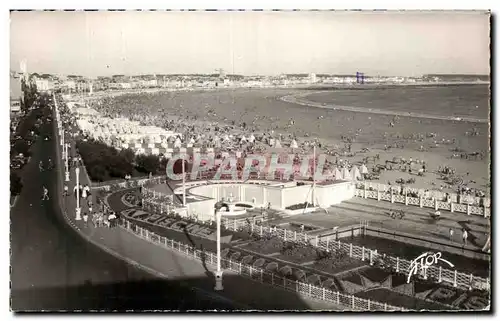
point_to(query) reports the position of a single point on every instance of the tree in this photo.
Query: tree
(148, 163)
(128, 154)
(15, 184)
(21, 146)
(97, 172)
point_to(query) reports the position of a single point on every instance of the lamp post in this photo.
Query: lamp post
(218, 273)
(66, 163)
(78, 209)
(183, 182)
(314, 176)
(63, 144)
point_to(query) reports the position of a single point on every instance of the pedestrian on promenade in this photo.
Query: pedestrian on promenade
(65, 192)
(112, 219)
(40, 166)
(451, 234)
(85, 219)
(95, 219)
(464, 236)
(45, 194)
(84, 193)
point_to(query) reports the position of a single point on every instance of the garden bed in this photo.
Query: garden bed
(265, 246)
(339, 266)
(396, 299)
(399, 249)
(297, 252)
(299, 206)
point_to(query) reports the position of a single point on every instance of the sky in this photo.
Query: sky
(251, 43)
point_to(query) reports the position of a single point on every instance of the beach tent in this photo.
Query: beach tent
(363, 169)
(271, 142)
(177, 143)
(338, 174)
(243, 139)
(345, 174)
(294, 144)
(277, 144)
(192, 141)
(251, 139)
(355, 173)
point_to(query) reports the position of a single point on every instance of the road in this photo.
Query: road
(53, 268)
(72, 273)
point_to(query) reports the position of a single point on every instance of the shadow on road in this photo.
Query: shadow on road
(139, 295)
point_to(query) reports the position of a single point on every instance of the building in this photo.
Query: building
(312, 78)
(44, 84)
(16, 94)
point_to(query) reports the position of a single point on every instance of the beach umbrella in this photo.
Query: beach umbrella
(225, 138)
(363, 169)
(243, 139)
(277, 144)
(271, 142)
(251, 139)
(294, 144)
(192, 141)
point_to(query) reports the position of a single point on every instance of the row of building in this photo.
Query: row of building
(76, 84)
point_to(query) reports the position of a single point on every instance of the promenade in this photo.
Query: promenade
(238, 291)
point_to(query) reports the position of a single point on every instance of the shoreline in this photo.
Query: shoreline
(296, 99)
(319, 87)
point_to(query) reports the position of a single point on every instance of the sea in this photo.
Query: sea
(446, 100)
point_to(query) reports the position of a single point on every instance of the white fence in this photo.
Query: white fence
(121, 184)
(260, 275)
(394, 196)
(451, 277)
(445, 197)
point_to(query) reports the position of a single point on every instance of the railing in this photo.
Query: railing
(453, 197)
(120, 184)
(394, 196)
(261, 275)
(451, 277)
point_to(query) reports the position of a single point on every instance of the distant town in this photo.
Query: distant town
(77, 83)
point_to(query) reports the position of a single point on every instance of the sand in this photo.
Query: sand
(267, 111)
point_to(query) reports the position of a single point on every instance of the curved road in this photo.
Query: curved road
(53, 268)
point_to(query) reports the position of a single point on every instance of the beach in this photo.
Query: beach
(436, 140)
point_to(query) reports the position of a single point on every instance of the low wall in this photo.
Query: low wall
(300, 211)
(394, 197)
(441, 196)
(261, 193)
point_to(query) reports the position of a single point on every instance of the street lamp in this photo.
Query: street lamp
(66, 161)
(218, 273)
(78, 209)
